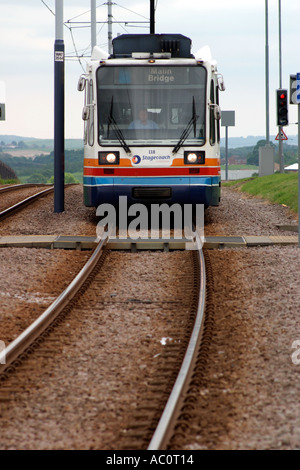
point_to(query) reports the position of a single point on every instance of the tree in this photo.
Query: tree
(69, 179)
(37, 178)
(22, 145)
(253, 157)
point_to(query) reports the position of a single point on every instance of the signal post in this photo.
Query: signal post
(282, 120)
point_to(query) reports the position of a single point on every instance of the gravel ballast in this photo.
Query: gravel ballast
(249, 398)
(40, 218)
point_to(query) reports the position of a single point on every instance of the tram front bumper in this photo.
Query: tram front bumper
(149, 190)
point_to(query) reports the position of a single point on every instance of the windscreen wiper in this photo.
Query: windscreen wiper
(111, 122)
(110, 116)
(119, 134)
(192, 123)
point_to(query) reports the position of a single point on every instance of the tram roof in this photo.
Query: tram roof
(176, 45)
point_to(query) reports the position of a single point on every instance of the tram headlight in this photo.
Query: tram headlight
(194, 157)
(109, 158)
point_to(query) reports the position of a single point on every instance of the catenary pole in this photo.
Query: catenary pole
(267, 73)
(59, 109)
(93, 25)
(109, 24)
(280, 149)
(152, 17)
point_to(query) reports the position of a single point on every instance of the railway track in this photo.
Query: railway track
(14, 187)
(157, 432)
(23, 203)
(170, 418)
(33, 332)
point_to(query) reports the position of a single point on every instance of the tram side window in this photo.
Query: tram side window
(218, 122)
(85, 122)
(91, 118)
(212, 137)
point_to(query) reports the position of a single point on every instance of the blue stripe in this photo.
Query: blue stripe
(154, 181)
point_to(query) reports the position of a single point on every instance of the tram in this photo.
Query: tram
(152, 122)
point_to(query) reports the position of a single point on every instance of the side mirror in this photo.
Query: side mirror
(217, 111)
(81, 84)
(86, 113)
(221, 83)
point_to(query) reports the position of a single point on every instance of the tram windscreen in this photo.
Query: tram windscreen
(151, 104)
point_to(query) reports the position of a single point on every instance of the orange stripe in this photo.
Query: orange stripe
(126, 163)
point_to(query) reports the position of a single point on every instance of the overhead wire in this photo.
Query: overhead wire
(75, 49)
(77, 55)
(67, 24)
(134, 12)
(116, 21)
(84, 13)
(89, 46)
(44, 3)
(84, 50)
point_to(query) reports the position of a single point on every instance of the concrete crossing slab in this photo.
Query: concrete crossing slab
(88, 243)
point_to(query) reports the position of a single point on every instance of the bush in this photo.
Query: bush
(37, 178)
(69, 179)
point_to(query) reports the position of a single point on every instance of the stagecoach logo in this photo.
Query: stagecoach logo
(136, 159)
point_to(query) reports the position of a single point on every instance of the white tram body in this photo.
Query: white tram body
(152, 122)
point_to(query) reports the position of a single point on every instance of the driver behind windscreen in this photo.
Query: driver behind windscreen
(143, 122)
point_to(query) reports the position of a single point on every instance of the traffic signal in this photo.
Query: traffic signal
(282, 107)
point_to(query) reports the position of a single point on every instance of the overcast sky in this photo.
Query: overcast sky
(234, 30)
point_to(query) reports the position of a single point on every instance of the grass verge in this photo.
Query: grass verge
(280, 188)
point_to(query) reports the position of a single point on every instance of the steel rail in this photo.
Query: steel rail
(16, 207)
(168, 418)
(25, 339)
(14, 187)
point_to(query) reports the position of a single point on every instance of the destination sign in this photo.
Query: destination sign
(151, 75)
(161, 75)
